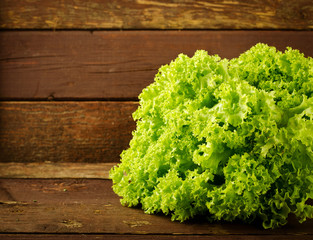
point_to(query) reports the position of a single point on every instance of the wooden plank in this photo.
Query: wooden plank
(90, 206)
(56, 191)
(149, 237)
(113, 64)
(65, 131)
(55, 170)
(156, 14)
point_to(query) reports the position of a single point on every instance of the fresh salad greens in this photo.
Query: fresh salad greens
(224, 139)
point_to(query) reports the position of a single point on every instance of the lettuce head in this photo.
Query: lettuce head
(224, 139)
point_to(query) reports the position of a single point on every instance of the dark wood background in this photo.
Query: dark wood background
(70, 74)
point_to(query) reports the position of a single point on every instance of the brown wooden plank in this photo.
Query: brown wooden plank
(149, 237)
(90, 206)
(113, 64)
(64, 131)
(56, 191)
(55, 170)
(156, 14)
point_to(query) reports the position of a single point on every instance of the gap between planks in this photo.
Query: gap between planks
(55, 170)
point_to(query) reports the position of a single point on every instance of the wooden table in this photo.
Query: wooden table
(88, 209)
(70, 75)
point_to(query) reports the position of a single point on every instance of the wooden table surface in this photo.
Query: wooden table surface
(88, 208)
(70, 75)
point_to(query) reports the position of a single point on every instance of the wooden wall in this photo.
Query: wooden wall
(70, 74)
(71, 71)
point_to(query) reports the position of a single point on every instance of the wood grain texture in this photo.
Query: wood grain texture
(90, 206)
(56, 191)
(149, 237)
(64, 131)
(156, 14)
(55, 170)
(111, 64)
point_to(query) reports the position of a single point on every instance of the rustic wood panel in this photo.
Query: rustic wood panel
(50, 191)
(156, 14)
(55, 170)
(148, 237)
(90, 206)
(112, 64)
(64, 131)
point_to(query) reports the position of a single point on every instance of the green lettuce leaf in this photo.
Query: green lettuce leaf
(224, 139)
